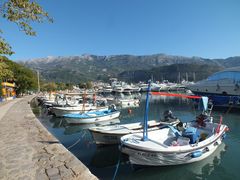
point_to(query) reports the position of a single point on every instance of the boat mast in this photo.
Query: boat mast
(145, 127)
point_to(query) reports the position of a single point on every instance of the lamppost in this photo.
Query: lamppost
(38, 78)
(38, 81)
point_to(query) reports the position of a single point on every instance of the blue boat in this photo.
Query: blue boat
(93, 116)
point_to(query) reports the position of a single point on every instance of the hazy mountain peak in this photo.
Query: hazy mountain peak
(92, 67)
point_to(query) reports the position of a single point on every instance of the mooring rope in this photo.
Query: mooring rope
(118, 163)
(69, 147)
(229, 109)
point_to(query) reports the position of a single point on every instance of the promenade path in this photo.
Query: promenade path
(28, 151)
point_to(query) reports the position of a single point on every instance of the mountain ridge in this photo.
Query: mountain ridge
(93, 67)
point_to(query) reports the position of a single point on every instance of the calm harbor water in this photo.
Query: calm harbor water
(102, 161)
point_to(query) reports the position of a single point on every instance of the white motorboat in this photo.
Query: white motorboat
(127, 102)
(223, 88)
(107, 89)
(171, 146)
(112, 134)
(154, 87)
(60, 111)
(130, 89)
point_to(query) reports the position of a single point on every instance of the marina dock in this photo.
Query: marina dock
(28, 151)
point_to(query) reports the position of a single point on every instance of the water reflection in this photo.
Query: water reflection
(76, 128)
(198, 170)
(105, 156)
(72, 129)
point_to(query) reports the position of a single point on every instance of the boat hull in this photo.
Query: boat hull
(112, 134)
(148, 158)
(222, 100)
(106, 139)
(61, 111)
(93, 119)
(154, 153)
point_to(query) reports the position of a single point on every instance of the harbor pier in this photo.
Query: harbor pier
(28, 151)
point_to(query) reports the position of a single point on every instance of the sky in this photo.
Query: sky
(204, 28)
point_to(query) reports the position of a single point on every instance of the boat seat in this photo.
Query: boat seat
(175, 131)
(182, 141)
(169, 141)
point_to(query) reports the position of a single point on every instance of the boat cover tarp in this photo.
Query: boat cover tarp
(176, 95)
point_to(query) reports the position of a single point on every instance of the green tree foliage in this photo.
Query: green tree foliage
(61, 86)
(24, 78)
(87, 85)
(22, 13)
(82, 85)
(69, 86)
(0, 88)
(5, 72)
(50, 86)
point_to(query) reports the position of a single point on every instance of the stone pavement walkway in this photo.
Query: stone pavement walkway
(28, 151)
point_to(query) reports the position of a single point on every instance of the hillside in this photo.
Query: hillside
(91, 67)
(173, 73)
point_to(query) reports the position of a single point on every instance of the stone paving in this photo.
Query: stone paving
(28, 151)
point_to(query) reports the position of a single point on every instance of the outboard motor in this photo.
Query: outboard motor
(113, 107)
(168, 116)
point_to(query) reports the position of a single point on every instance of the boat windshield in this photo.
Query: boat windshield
(233, 75)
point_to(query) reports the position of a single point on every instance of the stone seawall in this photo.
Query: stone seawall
(29, 151)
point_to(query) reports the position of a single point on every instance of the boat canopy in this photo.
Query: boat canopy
(233, 75)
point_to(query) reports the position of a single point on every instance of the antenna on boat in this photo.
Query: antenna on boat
(145, 127)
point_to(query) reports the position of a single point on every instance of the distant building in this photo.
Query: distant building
(8, 91)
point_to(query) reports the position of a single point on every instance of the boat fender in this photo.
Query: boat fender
(216, 143)
(196, 154)
(226, 129)
(129, 111)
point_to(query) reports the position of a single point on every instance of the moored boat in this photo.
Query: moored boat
(163, 147)
(222, 88)
(61, 111)
(112, 134)
(190, 142)
(92, 116)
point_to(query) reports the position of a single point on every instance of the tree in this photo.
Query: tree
(69, 86)
(89, 85)
(0, 88)
(50, 86)
(24, 78)
(61, 86)
(5, 72)
(22, 13)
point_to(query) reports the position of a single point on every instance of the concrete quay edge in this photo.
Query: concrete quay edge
(29, 151)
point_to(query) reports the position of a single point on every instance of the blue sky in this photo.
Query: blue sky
(205, 28)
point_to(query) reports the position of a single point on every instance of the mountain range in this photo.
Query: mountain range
(88, 67)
